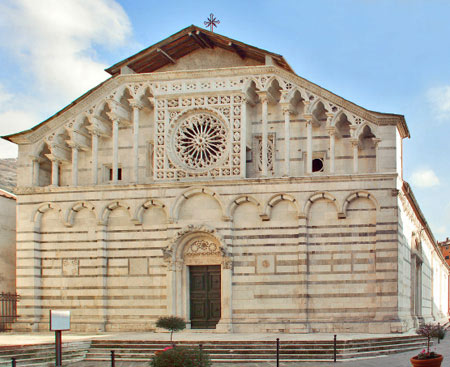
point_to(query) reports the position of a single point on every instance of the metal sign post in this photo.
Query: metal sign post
(59, 321)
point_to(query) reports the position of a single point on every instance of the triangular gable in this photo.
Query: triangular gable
(188, 40)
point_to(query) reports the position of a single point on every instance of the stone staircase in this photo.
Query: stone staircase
(257, 351)
(42, 354)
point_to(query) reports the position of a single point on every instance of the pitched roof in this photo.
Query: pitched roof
(188, 40)
(7, 194)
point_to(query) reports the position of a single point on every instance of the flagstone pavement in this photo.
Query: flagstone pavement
(394, 360)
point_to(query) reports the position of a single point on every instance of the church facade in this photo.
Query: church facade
(205, 179)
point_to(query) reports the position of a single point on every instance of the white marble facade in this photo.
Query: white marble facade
(297, 193)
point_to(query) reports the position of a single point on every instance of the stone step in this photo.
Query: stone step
(248, 351)
(212, 349)
(42, 354)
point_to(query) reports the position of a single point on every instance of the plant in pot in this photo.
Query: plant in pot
(171, 323)
(426, 357)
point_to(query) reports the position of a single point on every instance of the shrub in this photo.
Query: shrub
(171, 323)
(181, 357)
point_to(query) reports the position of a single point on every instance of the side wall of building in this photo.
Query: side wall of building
(423, 275)
(7, 244)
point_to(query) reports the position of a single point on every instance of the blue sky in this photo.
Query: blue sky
(385, 55)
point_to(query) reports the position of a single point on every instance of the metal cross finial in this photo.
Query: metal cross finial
(212, 22)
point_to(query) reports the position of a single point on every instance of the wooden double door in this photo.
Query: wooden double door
(205, 296)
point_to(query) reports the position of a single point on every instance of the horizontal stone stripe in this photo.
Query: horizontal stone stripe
(94, 307)
(330, 282)
(87, 276)
(63, 298)
(96, 287)
(241, 182)
(313, 234)
(272, 312)
(325, 295)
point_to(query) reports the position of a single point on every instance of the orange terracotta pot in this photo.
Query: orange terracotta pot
(433, 362)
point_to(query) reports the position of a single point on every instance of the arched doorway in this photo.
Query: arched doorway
(199, 279)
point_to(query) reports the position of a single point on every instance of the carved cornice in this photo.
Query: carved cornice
(155, 80)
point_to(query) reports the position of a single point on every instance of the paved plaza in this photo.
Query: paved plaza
(395, 360)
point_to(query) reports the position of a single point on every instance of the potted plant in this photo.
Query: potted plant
(171, 323)
(426, 357)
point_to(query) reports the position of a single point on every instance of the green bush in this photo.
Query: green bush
(181, 357)
(171, 323)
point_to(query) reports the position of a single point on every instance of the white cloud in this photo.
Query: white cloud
(439, 98)
(51, 45)
(424, 178)
(55, 39)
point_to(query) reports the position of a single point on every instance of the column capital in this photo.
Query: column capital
(266, 97)
(136, 104)
(331, 130)
(287, 107)
(36, 159)
(354, 141)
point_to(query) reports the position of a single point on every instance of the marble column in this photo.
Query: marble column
(135, 106)
(35, 171)
(75, 165)
(355, 155)
(287, 141)
(264, 138)
(332, 133)
(115, 163)
(244, 137)
(55, 172)
(94, 158)
(377, 160)
(309, 145)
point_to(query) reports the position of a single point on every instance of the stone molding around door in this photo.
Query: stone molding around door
(197, 245)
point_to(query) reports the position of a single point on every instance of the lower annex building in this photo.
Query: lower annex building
(206, 179)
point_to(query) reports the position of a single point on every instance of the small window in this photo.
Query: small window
(119, 174)
(446, 258)
(248, 155)
(317, 165)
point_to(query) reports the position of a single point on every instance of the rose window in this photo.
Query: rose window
(200, 141)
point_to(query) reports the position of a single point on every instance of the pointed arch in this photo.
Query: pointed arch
(355, 195)
(313, 106)
(252, 83)
(270, 82)
(246, 199)
(291, 96)
(319, 196)
(360, 129)
(145, 89)
(112, 206)
(78, 206)
(192, 192)
(138, 216)
(337, 116)
(274, 200)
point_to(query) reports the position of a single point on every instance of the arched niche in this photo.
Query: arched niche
(367, 142)
(193, 247)
(42, 166)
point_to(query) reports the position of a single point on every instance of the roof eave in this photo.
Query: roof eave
(115, 69)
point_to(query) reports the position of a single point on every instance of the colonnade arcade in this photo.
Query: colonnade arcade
(129, 107)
